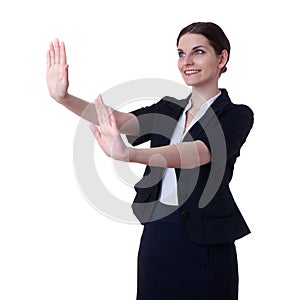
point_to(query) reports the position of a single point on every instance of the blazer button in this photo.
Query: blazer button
(184, 214)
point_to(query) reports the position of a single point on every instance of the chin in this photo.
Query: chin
(190, 83)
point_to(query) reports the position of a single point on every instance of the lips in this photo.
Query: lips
(191, 72)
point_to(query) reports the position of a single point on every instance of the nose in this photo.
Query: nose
(187, 60)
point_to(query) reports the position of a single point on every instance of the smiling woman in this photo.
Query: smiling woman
(201, 60)
(214, 35)
(187, 249)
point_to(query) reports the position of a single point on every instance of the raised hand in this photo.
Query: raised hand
(57, 71)
(107, 135)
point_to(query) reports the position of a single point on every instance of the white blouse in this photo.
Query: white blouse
(168, 193)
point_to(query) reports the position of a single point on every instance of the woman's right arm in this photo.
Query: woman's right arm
(58, 83)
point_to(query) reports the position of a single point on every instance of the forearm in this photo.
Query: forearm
(58, 83)
(80, 107)
(185, 155)
(127, 123)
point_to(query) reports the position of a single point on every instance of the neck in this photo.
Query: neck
(201, 95)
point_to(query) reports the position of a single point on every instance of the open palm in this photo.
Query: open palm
(57, 71)
(108, 135)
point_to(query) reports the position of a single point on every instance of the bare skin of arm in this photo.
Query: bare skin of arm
(112, 122)
(185, 155)
(58, 83)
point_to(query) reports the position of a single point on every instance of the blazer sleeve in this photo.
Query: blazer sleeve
(235, 125)
(146, 117)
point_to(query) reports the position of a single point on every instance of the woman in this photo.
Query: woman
(190, 218)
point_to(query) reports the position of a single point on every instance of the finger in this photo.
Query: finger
(56, 50)
(62, 54)
(109, 120)
(97, 134)
(98, 110)
(51, 51)
(102, 111)
(112, 119)
(48, 59)
(95, 131)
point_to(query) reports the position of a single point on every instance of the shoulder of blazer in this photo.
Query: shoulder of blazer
(236, 115)
(170, 107)
(230, 113)
(169, 104)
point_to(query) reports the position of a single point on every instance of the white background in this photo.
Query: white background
(53, 244)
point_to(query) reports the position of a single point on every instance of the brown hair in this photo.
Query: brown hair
(213, 33)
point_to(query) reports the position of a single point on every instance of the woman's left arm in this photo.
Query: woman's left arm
(185, 155)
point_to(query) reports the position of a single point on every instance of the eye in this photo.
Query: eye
(199, 51)
(181, 54)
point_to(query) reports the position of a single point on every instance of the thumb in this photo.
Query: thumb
(95, 131)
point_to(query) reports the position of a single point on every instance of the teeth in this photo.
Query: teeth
(191, 71)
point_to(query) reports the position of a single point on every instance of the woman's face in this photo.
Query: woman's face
(198, 63)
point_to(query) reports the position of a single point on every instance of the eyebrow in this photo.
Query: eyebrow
(194, 48)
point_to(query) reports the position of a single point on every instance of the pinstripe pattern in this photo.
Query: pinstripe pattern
(171, 267)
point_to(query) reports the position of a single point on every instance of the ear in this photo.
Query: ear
(223, 58)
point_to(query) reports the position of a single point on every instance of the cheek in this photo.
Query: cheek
(212, 63)
(179, 64)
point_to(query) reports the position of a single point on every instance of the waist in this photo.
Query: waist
(166, 213)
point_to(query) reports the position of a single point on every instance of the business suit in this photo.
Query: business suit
(206, 216)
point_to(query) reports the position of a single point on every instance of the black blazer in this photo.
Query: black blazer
(208, 211)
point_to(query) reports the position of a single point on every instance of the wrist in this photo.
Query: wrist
(62, 100)
(131, 154)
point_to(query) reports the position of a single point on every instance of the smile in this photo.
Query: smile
(191, 72)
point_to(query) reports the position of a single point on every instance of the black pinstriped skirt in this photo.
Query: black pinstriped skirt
(171, 267)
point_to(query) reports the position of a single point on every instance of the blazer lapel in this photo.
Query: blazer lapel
(167, 119)
(213, 112)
